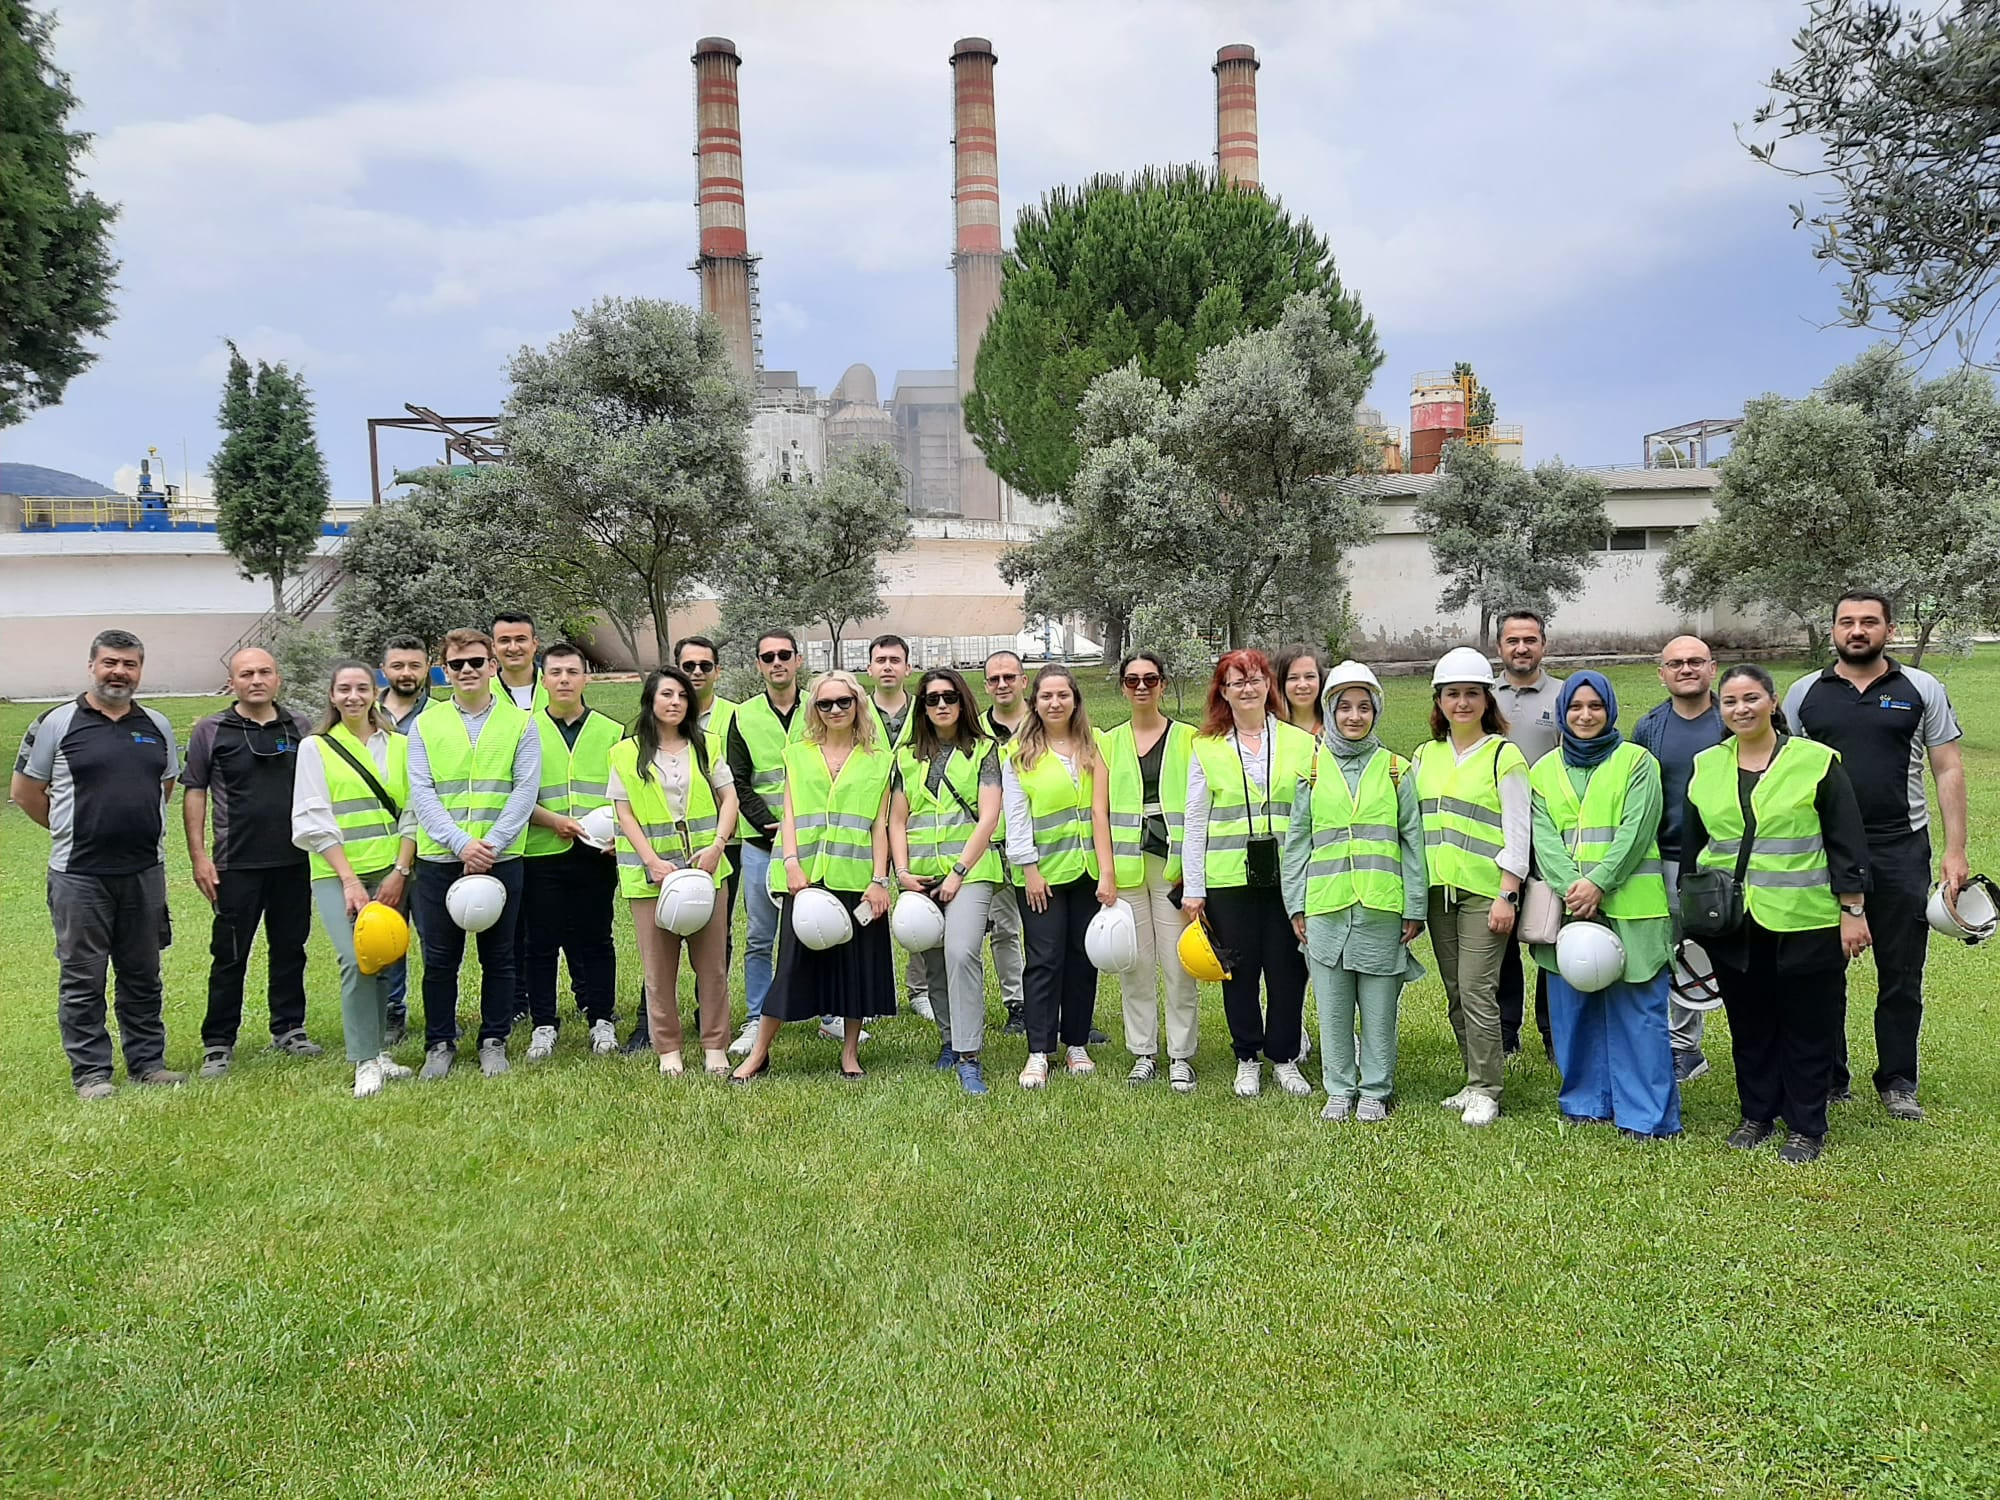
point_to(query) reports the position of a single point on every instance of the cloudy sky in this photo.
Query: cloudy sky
(395, 196)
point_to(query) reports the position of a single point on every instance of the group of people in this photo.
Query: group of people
(1277, 845)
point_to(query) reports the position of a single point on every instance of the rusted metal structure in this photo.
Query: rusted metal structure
(472, 440)
(1236, 114)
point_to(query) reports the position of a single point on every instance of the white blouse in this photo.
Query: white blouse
(675, 770)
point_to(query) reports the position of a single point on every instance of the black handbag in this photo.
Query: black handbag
(1712, 900)
(1260, 850)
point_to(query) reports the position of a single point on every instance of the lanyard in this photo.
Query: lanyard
(1270, 733)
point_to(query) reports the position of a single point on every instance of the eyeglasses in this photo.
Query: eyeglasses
(692, 667)
(1143, 680)
(839, 705)
(768, 657)
(946, 698)
(1001, 679)
(1244, 682)
(466, 663)
(1686, 664)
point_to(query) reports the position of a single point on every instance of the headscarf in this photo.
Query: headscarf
(1581, 752)
(1330, 736)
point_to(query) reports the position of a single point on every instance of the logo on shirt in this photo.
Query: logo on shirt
(1887, 702)
(144, 739)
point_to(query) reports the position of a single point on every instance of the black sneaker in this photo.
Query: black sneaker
(1569, 1119)
(1800, 1149)
(1902, 1104)
(1750, 1135)
(1844, 1094)
(1689, 1064)
(1097, 1038)
(1015, 1027)
(641, 1039)
(393, 1032)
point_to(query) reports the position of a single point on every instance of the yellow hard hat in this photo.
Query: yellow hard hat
(381, 937)
(1198, 955)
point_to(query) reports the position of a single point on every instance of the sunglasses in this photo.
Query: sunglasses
(838, 705)
(466, 663)
(1143, 680)
(945, 698)
(1001, 679)
(768, 657)
(692, 667)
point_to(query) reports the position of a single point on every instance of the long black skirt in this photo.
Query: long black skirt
(856, 979)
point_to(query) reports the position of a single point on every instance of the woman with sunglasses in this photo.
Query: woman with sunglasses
(944, 810)
(1148, 757)
(362, 849)
(676, 806)
(1056, 797)
(1300, 673)
(1242, 781)
(834, 836)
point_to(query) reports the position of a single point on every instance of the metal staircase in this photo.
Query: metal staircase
(304, 592)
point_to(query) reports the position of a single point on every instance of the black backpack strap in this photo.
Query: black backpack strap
(367, 775)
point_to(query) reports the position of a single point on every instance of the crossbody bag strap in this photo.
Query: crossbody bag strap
(1270, 734)
(361, 768)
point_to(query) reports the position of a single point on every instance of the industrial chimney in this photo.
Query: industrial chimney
(1236, 114)
(727, 269)
(975, 262)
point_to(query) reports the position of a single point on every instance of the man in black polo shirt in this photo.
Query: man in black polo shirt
(1884, 718)
(97, 772)
(240, 764)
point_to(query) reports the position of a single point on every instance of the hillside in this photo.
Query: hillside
(33, 479)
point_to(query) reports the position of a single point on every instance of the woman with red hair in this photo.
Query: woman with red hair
(1246, 767)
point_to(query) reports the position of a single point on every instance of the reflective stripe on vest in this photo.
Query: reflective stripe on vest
(472, 781)
(367, 832)
(834, 820)
(1786, 885)
(938, 827)
(1463, 833)
(573, 780)
(1059, 810)
(1128, 799)
(766, 737)
(1356, 845)
(1233, 821)
(648, 801)
(1589, 826)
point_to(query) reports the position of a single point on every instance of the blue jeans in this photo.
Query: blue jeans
(1614, 1054)
(760, 915)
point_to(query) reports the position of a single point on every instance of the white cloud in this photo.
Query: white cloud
(270, 346)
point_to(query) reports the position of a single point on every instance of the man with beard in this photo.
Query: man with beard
(406, 667)
(1884, 718)
(1527, 697)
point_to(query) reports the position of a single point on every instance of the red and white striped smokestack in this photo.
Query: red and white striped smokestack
(725, 269)
(976, 258)
(1236, 114)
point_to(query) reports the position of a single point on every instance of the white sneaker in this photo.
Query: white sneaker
(603, 1038)
(541, 1044)
(1180, 1074)
(392, 1071)
(832, 1029)
(1144, 1070)
(745, 1040)
(1338, 1107)
(1371, 1111)
(1290, 1079)
(1080, 1063)
(1460, 1099)
(1249, 1078)
(1481, 1110)
(921, 1005)
(367, 1078)
(1036, 1074)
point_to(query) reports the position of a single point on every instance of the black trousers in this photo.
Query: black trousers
(279, 901)
(1256, 936)
(1058, 980)
(444, 951)
(1513, 1001)
(1785, 1032)
(567, 900)
(1901, 933)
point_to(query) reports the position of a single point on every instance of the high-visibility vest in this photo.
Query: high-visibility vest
(538, 701)
(1589, 826)
(1461, 806)
(834, 819)
(908, 733)
(1786, 886)
(938, 827)
(1232, 819)
(1357, 851)
(720, 712)
(472, 781)
(367, 828)
(573, 780)
(765, 737)
(1059, 817)
(1128, 799)
(648, 801)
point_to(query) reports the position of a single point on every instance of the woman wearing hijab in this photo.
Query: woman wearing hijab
(1597, 820)
(1355, 888)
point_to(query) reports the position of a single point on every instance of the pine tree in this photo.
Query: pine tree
(271, 490)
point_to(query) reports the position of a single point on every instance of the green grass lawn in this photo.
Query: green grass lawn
(582, 1280)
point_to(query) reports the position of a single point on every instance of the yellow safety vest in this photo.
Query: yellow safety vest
(1786, 886)
(1357, 851)
(1589, 826)
(678, 842)
(1461, 806)
(834, 819)
(1059, 817)
(367, 829)
(1128, 799)
(1232, 821)
(472, 781)
(938, 827)
(765, 737)
(573, 780)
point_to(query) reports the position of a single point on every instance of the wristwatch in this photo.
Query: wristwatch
(881, 880)
(1853, 911)
(403, 871)
(958, 869)
(1512, 898)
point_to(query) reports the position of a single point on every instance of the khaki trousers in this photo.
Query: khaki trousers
(1468, 959)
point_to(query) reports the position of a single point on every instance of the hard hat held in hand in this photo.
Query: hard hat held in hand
(819, 920)
(1972, 916)
(687, 901)
(1198, 955)
(381, 938)
(917, 922)
(1589, 956)
(1112, 939)
(1462, 664)
(600, 828)
(1694, 983)
(475, 901)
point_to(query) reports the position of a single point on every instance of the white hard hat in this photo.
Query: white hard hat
(917, 922)
(1112, 939)
(600, 827)
(1589, 956)
(1350, 674)
(819, 920)
(1693, 977)
(1462, 664)
(1972, 917)
(687, 901)
(475, 901)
